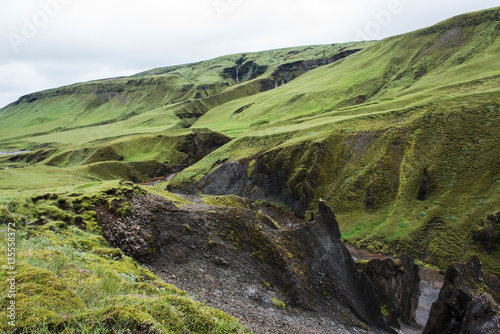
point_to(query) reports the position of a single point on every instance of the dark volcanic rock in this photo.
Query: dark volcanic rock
(489, 237)
(288, 72)
(227, 252)
(271, 178)
(327, 219)
(229, 178)
(397, 283)
(332, 269)
(423, 189)
(392, 319)
(292, 175)
(468, 301)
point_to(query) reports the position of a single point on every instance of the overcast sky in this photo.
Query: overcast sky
(51, 43)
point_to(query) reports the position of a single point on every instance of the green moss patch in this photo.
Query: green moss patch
(228, 201)
(70, 280)
(5, 216)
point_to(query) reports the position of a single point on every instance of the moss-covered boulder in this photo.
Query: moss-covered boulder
(110, 253)
(397, 283)
(51, 211)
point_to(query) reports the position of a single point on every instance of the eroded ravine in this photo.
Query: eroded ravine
(430, 283)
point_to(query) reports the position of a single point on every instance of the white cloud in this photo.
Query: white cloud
(67, 41)
(18, 76)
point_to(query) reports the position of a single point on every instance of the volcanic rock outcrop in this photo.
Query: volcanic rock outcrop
(226, 249)
(467, 303)
(397, 283)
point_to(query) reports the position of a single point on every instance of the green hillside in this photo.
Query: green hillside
(450, 59)
(399, 136)
(366, 133)
(158, 100)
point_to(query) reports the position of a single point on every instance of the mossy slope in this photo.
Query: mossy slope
(400, 138)
(70, 280)
(166, 98)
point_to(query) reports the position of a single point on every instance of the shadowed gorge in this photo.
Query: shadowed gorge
(239, 179)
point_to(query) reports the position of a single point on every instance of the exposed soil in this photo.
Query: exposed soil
(230, 293)
(230, 259)
(360, 255)
(431, 276)
(251, 304)
(157, 180)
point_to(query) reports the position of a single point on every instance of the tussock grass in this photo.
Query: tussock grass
(69, 280)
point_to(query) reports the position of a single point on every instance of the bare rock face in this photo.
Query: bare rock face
(332, 269)
(397, 283)
(467, 303)
(227, 253)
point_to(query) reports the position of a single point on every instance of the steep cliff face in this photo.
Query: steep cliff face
(468, 302)
(390, 183)
(333, 271)
(397, 283)
(290, 71)
(296, 175)
(489, 236)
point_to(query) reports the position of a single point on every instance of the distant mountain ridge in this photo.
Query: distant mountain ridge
(181, 93)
